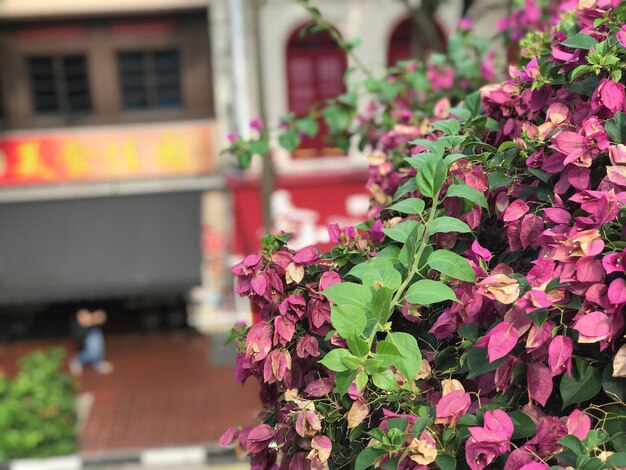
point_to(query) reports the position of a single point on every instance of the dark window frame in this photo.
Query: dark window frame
(100, 41)
(60, 85)
(153, 99)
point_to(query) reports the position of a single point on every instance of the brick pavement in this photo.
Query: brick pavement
(165, 391)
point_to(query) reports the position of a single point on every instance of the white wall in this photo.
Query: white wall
(372, 21)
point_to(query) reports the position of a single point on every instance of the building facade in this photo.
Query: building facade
(112, 115)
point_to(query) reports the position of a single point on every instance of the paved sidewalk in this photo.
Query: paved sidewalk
(168, 389)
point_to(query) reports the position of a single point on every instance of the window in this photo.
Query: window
(150, 79)
(60, 84)
(404, 42)
(315, 69)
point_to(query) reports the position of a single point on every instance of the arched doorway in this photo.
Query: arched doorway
(315, 69)
(404, 42)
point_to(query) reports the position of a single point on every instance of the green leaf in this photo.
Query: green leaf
(349, 293)
(359, 347)
(445, 224)
(619, 441)
(616, 128)
(523, 425)
(408, 206)
(431, 176)
(361, 380)
(259, 147)
(398, 423)
(334, 360)
(452, 265)
(427, 292)
(385, 380)
(401, 232)
(467, 192)
(447, 126)
(406, 344)
(614, 387)
(539, 316)
(584, 384)
(498, 180)
(617, 460)
(405, 188)
(581, 70)
(468, 420)
(381, 305)
(343, 381)
(469, 332)
(367, 457)
(378, 273)
(337, 118)
(289, 140)
(416, 161)
(387, 353)
(445, 462)
(580, 41)
(348, 320)
(472, 103)
(308, 125)
(573, 444)
(478, 362)
(453, 157)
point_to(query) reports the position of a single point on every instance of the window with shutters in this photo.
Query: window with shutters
(404, 43)
(150, 79)
(60, 85)
(315, 69)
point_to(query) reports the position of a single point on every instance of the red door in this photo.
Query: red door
(315, 69)
(402, 42)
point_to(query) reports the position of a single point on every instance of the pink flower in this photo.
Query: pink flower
(466, 24)
(499, 287)
(489, 441)
(307, 346)
(259, 438)
(277, 366)
(451, 407)
(539, 382)
(617, 154)
(578, 424)
(328, 279)
(592, 327)
(259, 341)
(321, 448)
(621, 36)
(308, 424)
(612, 95)
(441, 78)
(319, 388)
(617, 291)
(257, 124)
(500, 340)
(614, 262)
(560, 355)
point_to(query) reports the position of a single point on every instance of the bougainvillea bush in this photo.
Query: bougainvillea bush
(477, 319)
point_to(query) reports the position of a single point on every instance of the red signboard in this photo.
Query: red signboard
(108, 153)
(301, 204)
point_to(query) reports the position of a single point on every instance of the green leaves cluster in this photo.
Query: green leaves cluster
(362, 310)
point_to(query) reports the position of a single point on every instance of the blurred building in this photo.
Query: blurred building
(107, 150)
(112, 114)
(282, 67)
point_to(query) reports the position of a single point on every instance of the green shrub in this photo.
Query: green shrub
(37, 413)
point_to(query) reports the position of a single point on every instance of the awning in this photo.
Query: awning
(99, 248)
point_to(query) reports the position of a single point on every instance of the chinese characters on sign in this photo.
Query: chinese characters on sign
(106, 154)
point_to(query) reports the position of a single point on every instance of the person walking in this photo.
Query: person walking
(87, 329)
